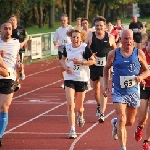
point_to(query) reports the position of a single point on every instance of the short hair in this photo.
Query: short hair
(13, 16)
(79, 18)
(85, 19)
(100, 18)
(118, 19)
(7, 21)
(64, 15)
(82, 33)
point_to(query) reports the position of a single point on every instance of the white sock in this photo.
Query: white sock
(72, 128)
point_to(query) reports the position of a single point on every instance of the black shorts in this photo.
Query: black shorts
(137, 40)
(60, 54)
(7, 86)
(145, 94)
(96, 72)
(78, 86)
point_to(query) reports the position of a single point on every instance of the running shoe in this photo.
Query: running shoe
(80, 121)
(17, 86)
(101, 118)
(0, 142)
(138, 134)
(123, 148)
(114, 130)
(72, 135)
(98, 112)
(63, 86)
(146, 146)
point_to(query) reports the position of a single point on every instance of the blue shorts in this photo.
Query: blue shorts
(130, 99)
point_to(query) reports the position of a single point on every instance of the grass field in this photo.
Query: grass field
(35, 29)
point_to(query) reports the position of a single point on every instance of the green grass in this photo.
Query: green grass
(36, 30)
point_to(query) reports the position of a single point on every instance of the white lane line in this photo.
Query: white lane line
(90, 128)
(20, 125)
(37, 89)
(42, 71)
(40, 133)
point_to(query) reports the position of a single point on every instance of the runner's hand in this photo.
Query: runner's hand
(69, 70)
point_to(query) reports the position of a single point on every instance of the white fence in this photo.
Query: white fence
(41, 45)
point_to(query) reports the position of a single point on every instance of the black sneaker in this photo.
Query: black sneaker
(101, 118)
(0, 142)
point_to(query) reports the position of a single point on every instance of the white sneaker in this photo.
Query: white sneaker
(63, 86)
(72, 135)
(114, 130)
(80, 121)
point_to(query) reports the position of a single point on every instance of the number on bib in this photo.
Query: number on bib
(76, 67)
(64, 41)
(127, 81)
(100, 61)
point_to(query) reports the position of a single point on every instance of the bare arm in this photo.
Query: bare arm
(106, 71)
(145, 73)
(89, 62)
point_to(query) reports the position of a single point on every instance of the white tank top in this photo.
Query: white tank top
(80, 72)
(10, 58)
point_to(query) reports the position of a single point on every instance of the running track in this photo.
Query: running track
(38, 121)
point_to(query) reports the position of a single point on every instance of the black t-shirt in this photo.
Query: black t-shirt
(86, 55)
(19, 33)
(134, 27)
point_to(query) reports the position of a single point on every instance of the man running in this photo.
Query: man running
(60, 39)
(136, 26)
(10, 58)
(144, 104)
(126, 62)
(100, 43)
(119, 28)
(19, 33)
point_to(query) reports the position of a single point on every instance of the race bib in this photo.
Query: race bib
(135, 30)
(100, 61)
(127, 81)
(76, 68)
(64, 40)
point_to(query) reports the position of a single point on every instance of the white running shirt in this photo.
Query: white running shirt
(61, 35)
(80, 72)
(10, 58)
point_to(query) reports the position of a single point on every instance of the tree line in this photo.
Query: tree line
(41, 12)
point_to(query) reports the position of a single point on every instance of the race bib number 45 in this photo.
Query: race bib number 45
(127, 81)
(100, 61)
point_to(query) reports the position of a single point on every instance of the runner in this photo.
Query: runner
(85, 27)
(78, 23)
(126, 62)
(60, 39)
(112, 31)
(136, 26)
(100, 43)
(119, 28)
(145, 103)
(11, 48)
(76, 61)
(19, 33)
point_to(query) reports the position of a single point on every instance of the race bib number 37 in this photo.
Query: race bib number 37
(127, 81)
(100, 61)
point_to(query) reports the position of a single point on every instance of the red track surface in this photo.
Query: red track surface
(37, 116)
